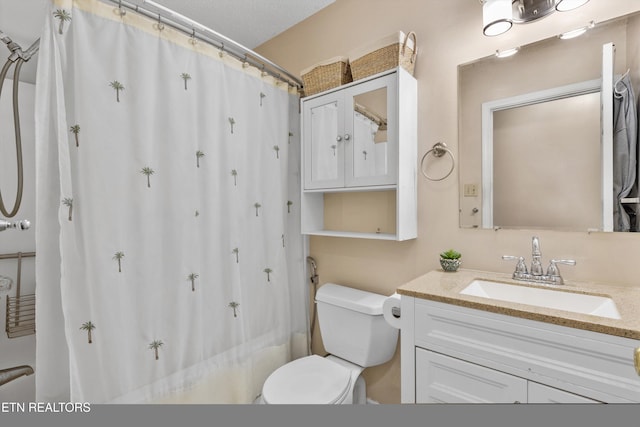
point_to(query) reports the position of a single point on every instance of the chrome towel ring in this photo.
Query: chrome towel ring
(439, 149)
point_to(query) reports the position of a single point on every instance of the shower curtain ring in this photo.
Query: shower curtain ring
(221, 53)
(119, 10)
(193, 39)
(159, 25)
(263, 73)
(245, 64)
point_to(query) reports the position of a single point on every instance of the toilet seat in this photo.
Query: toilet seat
(309, 380)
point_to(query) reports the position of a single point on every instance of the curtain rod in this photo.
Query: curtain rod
(188, 26)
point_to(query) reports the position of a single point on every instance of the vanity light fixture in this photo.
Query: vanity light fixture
(577, 32)
(507, 52)
(565, 5)
(498, 16)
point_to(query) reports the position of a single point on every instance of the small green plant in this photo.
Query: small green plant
(450, 254)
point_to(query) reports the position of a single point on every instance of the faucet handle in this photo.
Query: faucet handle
(553, 270)
(521, 267)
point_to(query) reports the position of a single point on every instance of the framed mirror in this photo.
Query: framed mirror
(531, 152)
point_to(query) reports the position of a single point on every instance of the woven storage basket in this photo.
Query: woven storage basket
(326, 75)
(398, 49)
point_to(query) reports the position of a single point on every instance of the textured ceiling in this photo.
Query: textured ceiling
(248, 22)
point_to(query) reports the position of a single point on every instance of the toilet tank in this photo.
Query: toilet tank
(353, 327)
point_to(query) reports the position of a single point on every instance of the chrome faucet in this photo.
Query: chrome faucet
(537, 274)
(10, 374)
(536, 256)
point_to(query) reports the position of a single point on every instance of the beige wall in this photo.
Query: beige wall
(449, 33)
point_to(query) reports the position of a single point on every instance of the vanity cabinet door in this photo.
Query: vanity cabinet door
(539, 393)
(445, 379)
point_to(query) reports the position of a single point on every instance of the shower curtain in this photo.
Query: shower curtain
(169, 245)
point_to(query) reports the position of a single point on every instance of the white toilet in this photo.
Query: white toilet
(355, 334)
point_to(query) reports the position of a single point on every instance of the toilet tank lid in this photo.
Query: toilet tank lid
(352, 299)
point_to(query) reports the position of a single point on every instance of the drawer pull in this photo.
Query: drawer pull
(636, 360)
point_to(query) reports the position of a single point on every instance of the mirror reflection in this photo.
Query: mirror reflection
(552, 172)
(542, 164)
(370, 133)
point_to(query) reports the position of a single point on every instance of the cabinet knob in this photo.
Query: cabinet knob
(338, 138)
(347, 137)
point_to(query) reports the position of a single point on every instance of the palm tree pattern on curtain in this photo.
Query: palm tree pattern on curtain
(155, 346)
(88, 326)
(139, 219)
(68, 202)
(75, 129)
(186, 77)
(63, 16)
(118, 87)
(199, 155)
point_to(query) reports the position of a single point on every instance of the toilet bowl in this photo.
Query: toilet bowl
(315, 380)
(355, 334)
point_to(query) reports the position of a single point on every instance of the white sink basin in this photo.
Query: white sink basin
(544, 297)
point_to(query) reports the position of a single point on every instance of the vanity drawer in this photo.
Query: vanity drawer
(591, 364)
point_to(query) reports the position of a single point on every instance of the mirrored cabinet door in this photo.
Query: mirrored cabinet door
(371, 123)
(324, 133)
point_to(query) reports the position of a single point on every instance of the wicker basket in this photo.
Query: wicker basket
(392, 51)
(326, 75)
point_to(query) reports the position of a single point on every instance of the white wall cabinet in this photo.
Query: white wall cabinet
(454, 354)
(361, 137)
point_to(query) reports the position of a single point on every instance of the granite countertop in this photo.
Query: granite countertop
(442, 286)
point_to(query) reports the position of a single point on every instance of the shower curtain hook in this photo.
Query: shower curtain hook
(159, 25)
(245, 64)
(119, 10)
(221, 53)
(193, 39)
(263, 72)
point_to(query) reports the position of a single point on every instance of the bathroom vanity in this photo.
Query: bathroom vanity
(465, 343)
(359, 139)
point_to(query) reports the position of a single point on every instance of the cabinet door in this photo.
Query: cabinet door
(444, 379)
(539, 393)
(371, 146)
(323, 137)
